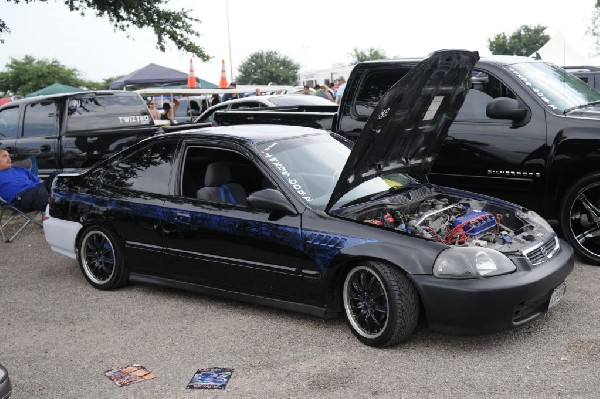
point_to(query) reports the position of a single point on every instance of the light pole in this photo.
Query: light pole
(229, 41)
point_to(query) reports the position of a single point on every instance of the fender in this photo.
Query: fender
(574, 153)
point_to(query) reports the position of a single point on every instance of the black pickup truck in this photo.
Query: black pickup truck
(73, 131)
(528, 132)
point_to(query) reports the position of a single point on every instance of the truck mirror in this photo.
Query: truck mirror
(505, 108)
(271, 200)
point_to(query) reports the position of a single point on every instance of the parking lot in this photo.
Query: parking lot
(58, 335)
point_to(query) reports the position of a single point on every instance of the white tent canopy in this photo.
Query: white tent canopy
(561, 53)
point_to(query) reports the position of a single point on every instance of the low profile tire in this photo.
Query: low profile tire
(381, 304)
(580, 218)
(100, 258)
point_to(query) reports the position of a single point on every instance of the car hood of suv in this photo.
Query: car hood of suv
(408, 126)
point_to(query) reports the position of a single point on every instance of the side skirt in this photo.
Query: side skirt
(243, 297)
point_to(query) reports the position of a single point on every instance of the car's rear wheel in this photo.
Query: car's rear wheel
(580, 218)
(381, 304)
(101, 260)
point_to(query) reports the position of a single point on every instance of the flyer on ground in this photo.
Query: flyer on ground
(210, 378)
(129, 374)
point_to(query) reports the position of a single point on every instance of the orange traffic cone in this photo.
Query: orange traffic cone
(192, 83)
(223, 82)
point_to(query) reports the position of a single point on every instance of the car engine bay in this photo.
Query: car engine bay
(450, 219)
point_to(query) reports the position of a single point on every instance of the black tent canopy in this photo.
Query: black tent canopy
(150, 75)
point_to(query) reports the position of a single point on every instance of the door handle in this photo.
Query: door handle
(45, 148)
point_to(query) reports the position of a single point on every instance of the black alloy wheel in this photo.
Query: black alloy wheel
(580, 218)
(381, 304)
(100, 259)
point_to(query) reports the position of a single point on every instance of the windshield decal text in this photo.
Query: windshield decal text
(537, 91)
(292, 182)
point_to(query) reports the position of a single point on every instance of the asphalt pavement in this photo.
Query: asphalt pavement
(58, 335)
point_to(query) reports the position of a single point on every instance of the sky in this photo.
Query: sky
(315, 34)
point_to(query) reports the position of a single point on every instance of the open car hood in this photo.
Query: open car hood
(408, 125)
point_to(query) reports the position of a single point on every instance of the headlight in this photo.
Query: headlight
(471, 262)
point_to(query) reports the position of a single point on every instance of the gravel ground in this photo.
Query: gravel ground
(58, 335)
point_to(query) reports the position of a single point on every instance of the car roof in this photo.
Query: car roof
(248, 133)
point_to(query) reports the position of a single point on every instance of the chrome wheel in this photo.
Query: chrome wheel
(381, 304)
(580, 219)
(100, 259)
(366, 303)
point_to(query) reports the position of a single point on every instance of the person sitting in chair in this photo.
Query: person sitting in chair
(20, 187)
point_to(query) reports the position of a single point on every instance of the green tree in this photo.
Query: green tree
(30, 74)
(369, 54)
(523, 41)
(263, 67)
(168, 25)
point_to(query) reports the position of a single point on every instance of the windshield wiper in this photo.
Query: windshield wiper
(590, 104)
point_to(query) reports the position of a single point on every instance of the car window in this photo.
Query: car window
(246, 104)
(210, 114)
(104, 111)
(9, 122)
(147, 170)
(373, 87)
(238, 170)
(40, 119)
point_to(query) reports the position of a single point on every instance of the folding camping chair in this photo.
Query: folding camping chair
(12, 219)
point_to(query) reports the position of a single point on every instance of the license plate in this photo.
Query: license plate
(557, 295)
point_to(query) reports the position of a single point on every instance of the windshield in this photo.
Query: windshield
(557, 88)
(311, 165)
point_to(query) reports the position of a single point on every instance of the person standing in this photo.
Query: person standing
(340, 90)
(168, 112)
(153, 111)
(230, 96)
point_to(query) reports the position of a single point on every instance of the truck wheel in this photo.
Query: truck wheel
(580, 218)
(100, 258)
(381, 304)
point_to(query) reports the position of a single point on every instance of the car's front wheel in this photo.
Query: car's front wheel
(381, 304)
(580, 218)
(100, 258)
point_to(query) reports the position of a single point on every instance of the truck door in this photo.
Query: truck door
(9, 128)
(490, 156)
(40, 135)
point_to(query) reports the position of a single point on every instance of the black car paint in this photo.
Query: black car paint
(293, 262)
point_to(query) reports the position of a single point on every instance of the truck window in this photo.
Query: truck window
(107, 111)
(9, 123)
(40, 119)
(373, 88)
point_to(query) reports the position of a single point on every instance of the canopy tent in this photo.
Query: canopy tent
(559, 52)
(55, 88)
(153, 75)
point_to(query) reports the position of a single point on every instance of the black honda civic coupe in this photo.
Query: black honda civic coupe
(300, 219)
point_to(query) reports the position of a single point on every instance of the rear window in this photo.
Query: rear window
(107, 111)
(373, 88)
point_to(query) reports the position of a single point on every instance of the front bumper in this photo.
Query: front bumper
(485, 305)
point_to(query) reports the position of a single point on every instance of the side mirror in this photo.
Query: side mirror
(271, 200)
(505, 108)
